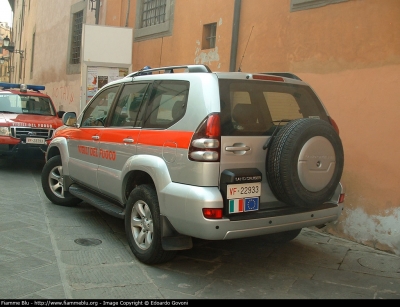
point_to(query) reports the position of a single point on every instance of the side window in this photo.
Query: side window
(209, 36)
(128, 105)
(167, 104)
(96, 113)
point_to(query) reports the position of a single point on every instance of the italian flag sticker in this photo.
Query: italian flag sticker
(235, 205)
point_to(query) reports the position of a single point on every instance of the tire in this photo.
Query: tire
(282, 237)
(143, 226)
(305, 163)
(52, 183)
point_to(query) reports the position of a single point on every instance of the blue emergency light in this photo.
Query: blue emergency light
(22, 87)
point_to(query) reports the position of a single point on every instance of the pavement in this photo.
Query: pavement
(50, 252)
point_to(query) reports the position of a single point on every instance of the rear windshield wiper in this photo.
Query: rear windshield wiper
(279, 121)
(269, 141)
(7, 112)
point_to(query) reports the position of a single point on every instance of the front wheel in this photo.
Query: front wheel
(53, 183)
(143, 226)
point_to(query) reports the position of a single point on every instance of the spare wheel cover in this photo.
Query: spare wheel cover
(316, 163)
(305, 162)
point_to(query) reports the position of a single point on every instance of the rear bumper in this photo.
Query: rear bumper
(247, 228)
(183, 204)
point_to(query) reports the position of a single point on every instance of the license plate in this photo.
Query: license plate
(35, 141)
(243, 190)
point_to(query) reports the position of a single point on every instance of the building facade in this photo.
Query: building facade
(347, 50)
(4, 54)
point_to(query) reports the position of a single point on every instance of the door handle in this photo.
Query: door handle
(128, 140)
(235, 147)
(95, 137)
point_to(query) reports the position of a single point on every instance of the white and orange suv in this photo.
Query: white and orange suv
(183, 152)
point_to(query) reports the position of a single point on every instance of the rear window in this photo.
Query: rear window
(250, 107)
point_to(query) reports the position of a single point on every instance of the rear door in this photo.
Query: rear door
(250, 112)
(118, 141)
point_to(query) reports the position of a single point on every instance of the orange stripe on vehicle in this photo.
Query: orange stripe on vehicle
(141, 136)
(112, 135)
(159, 137)
(78, 134)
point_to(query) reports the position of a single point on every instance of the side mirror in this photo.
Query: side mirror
(69, 118)
(60, 114)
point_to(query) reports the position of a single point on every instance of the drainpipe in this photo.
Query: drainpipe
(97, 13)
(127, 13)
(235, 34)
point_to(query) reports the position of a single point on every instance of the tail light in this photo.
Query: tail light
(268, 78)
(341, 198)
(333, 123)
(205, 145)
(212, 213)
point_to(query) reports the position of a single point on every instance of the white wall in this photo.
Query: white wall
(104, 46)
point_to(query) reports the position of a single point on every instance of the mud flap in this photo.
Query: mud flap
(171, 239)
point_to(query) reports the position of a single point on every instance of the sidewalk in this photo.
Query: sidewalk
(50, 252)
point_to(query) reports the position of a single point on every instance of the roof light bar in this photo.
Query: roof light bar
(22, 87)
(36, 87)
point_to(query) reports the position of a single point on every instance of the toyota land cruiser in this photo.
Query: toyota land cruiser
(182, 152)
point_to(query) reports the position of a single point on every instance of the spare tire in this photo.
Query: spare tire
(305, 162)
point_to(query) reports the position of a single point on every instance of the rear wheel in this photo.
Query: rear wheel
(53, 183)
(143, 226)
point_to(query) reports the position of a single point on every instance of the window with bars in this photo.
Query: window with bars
(299, 5)
(209, 35)
(154, 19)
(76, 37)
(76, 21)
(153, 12)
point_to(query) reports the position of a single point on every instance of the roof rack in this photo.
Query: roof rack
(170, 69)
(283, 74)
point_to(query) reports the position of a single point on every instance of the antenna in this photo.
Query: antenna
(245, 49)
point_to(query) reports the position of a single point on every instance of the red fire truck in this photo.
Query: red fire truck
(28, 119)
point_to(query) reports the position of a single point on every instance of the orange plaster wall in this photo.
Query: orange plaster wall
(348, 35)
(365, 104)
(184, 46)
(116, 12)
